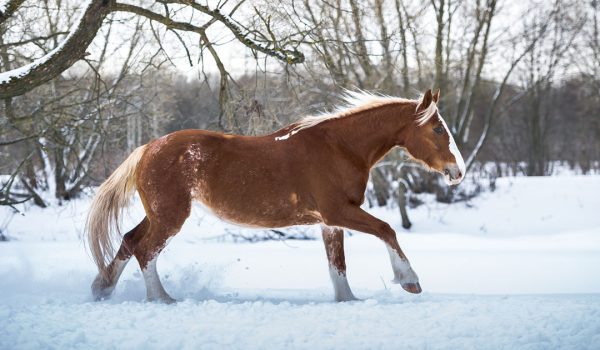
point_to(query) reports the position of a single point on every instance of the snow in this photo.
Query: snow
(3, 4)
(17, 73)
(516, 269)
(282, 138)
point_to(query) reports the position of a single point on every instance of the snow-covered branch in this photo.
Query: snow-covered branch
(20, 80)
(8, 7)
(23, 79)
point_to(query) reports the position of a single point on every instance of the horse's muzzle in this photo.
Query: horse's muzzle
(453, 174)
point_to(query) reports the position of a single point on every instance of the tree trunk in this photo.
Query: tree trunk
(380, 187)
(402, 191)
(439, 42)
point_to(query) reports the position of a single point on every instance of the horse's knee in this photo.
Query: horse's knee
(151, 244)
(386, 232)
(147, 250)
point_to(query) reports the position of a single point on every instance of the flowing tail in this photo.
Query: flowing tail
(102, 225)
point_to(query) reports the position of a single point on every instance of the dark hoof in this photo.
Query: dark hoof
(414, 288)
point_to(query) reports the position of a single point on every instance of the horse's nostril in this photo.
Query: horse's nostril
(459, 174)
(446, 172)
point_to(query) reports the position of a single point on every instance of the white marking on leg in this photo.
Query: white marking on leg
(403, 272)
(340, 285)
(154, 288)
(119, 267)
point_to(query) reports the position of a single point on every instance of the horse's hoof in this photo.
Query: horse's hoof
(347, 298)
(169, 300)
(414, 288)
(101, 289)
(102, 294)
(164, 299)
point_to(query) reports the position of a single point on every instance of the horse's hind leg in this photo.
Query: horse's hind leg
(147, 252)
(102, 287)
(166, 216)
(333, 237)
(164, 184)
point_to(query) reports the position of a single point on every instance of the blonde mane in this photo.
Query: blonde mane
(354, 102)
(427, 113)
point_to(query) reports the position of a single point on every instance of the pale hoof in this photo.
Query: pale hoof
(168, 300)
(414, 288)
(165, 299)
(346, 298)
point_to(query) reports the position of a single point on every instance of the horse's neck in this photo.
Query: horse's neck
(370, 135)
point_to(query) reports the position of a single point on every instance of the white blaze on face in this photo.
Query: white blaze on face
(454, 150)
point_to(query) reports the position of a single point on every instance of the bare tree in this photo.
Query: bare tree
(93, 13)
(542, 65)
(123, 88)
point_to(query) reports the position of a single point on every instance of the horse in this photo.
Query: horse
(313, 171)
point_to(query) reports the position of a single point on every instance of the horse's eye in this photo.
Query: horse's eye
(439, 129)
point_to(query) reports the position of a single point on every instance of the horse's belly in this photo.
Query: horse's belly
(252, 191)
(269, 221)
(262, 213)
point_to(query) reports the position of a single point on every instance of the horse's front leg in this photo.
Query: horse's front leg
(333, 238)
(354, 218)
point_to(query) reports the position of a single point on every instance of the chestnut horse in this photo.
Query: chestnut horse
(313, 171)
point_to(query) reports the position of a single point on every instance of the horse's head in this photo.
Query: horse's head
(431, 142)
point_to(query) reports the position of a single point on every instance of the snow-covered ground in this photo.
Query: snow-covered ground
(516, 268)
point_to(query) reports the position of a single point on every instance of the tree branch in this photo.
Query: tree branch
(33, 40)
(288, 56)
(168, 22)
(21, 80)
(73, 48)
(10, 7)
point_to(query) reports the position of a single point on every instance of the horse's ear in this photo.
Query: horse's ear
(436, 96)
(425, 101)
